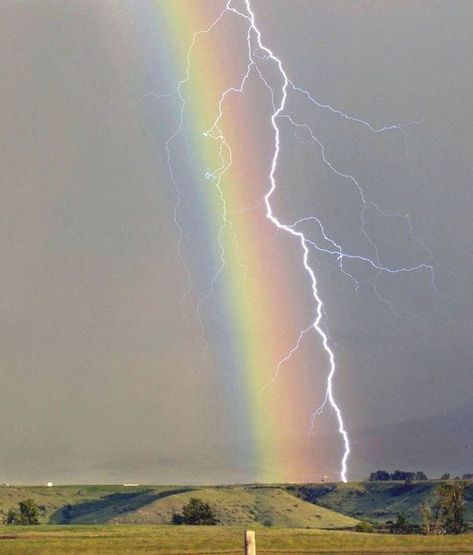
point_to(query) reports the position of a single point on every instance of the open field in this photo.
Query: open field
(127, 539)
(288, 519)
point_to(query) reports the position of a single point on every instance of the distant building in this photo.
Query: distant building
(130, 485)
(50, 484)
(468, 476)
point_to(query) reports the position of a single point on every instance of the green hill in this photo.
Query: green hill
(322, 506)
(377, 501)
(268, 506)
(235, 505)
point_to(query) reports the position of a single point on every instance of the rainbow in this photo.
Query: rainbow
(260, 300)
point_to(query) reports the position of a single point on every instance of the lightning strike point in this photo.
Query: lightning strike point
(258, 52)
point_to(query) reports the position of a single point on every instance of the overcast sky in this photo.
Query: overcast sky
(95, 356)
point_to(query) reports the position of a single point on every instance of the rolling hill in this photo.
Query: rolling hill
(234, 505)
(377, 501)
(318, 506)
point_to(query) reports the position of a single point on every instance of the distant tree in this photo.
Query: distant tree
(426, 514)
(29, 512)
(468, 476)
(419, 476)
(380, 476)
(12, 517)
(196, 512)
(431, 519)
(445, 476)
(452, 507)
(401, 526)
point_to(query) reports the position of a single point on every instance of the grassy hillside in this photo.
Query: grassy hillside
(323, 506)
(101, 540)
(377, 501)
(245, 505)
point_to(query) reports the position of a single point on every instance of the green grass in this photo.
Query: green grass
(378, 501)
(320, 506)
(234, 505)
(127, 539)
(244, 506)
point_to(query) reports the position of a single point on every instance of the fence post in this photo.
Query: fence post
(250, 543)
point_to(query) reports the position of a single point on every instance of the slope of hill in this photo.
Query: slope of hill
(235, 505)
(377, 501)
(323, 506)
(268, 506)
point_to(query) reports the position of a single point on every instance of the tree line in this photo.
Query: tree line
(398, 475)
(402, 475)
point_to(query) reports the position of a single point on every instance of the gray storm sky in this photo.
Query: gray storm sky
(97, 378)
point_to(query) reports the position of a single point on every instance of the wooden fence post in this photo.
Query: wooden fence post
(250, 543)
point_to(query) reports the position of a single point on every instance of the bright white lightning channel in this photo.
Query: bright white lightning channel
(258, 51)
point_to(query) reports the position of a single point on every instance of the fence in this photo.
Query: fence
(250, 543)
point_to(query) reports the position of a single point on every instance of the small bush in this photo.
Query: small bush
(27, 514)
(12, 517)
(177, 518)
(196, 512)
(364, 526)
(402, 525)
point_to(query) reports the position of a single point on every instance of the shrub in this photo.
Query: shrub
(364, 526)
(401, 526)
(177, 518)
(27, 514)
(452, 507)
(12, 517)
(196, 512)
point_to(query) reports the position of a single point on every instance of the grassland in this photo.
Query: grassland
(318, 506)
(288, 519)
(127, 539)
(234, 505)
(377, 501)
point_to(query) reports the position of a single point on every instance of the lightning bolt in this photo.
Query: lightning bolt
(301, 239)
(168, 147)
(259, 52)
